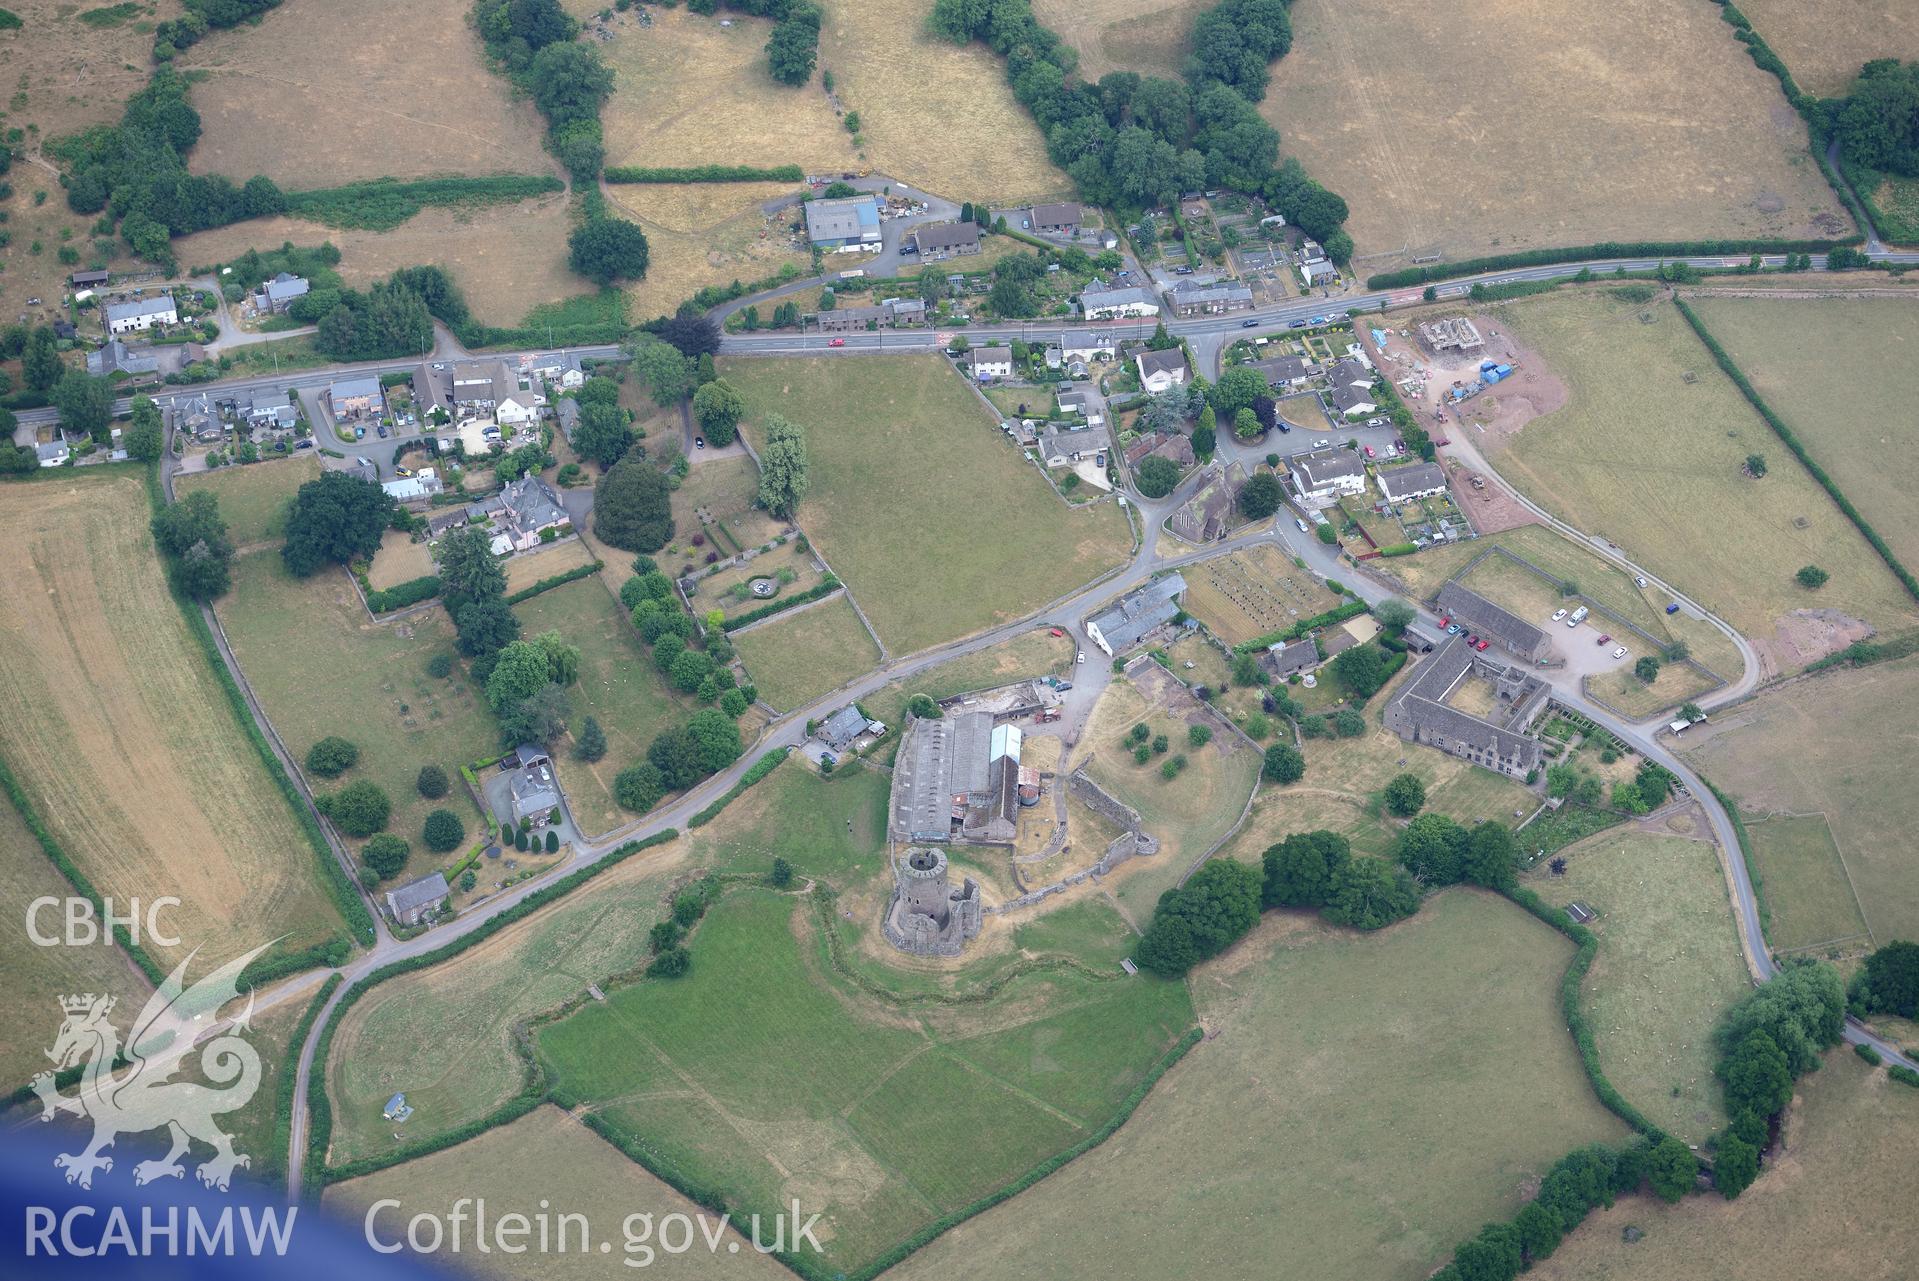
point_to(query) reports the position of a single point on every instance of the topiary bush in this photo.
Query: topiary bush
(331, 757)
(432, 782)
(385, 854)
(443, 831)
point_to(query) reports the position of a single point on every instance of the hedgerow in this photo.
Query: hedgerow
(1592, 253)
(557, 580)
(705, 173)
(1338, 614)
(382, 204)
(399, 596)
(825, 587)
(759, 770)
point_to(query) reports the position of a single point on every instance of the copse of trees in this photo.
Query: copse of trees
(1889, 982)
(1877, 124)
(192, 536)
(335, 519)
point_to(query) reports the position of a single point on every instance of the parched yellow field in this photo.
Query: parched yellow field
(325, 92)
(549, 1158)
(399, 560)
(935, 115)
(1825, 42)
(794, 660)
(507, 259)
(115, 726)
(1151, 37)
(253, 499)
(1518, 124)
(705, 233)
(524, 571)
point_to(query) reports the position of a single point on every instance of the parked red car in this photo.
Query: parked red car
(1482, 643)
(1603, 640)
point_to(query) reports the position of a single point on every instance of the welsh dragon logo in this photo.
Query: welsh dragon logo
(140, 1095)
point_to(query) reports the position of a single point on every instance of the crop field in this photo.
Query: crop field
(618, 686)
(1825, 44)
(1668, 966)
(707, 233)
(1253, 592)
(320, 666)
(1190, 813)
(1534, 117)
(795, 659)
(957, 509)
(1652, 461)
(469, 1065)
(549, 1157)
(1839, 1193)
(1382, 1169)
(422, 104)
(1803, 880)
(506, 259)
(1813, 748)
(1836, 370)
(1114, 35)
(763, 1075)
(253, 499)
(39, 976)
(118, 732)
(909, 88)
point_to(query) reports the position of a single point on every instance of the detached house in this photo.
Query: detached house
(989, 362)
(1056, 220)
(519, 409)
(1084, 344)
(1354, 402)
(1160, 370)
(1285, 373)
(276, 295)
(1114, 304)
(141, 313)
(526, 507)
(1405, 484)
(1324, 476)
(945, 239)
(1126, 623)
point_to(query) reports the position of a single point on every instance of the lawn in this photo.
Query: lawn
(1835, 369)
(1654, 463)
(618, 686)
(1686, 121)
(1668, 966)
(762, 1074)
(469, 1065)
(1622, 689)
(548, 1159)
(722, 590)
(524, 570)
(399, 560)
(936, 524)
(1825, 43)
(114, 723)
(253, 499)
(1838, 1200)
(717, 498)
(429, 106)
(1303, 1132)
(321, 667)
(801, 655)
(1830, 746)
(1803, 881)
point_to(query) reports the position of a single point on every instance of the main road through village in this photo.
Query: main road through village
(1207, 335)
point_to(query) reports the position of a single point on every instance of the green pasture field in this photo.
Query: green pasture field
(253, 499)
(762, 1073)
(795, 658)
(1668, 966)
(1298, 1133)
(319, 666)
(1803, 882)
(1653, 462)
(935, 522)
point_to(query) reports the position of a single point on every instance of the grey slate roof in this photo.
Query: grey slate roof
(1188, 294)
(1322, 467)
(842, 727)
(1282, 369)
(1058, 215)
(533, 502)
(534, 791)
(1297, 656)
(1419, 711)
(1087, 340)
(846, 219)
(1349, 398)
(139, 307)
(939, 237)
(351, 388)
(283, 289)
(1140, 612)
(1348, 371)
(1093, 300)
(1398, 483)
(425, 892)
(1474, 612)
(117, 356)
(1161, 362)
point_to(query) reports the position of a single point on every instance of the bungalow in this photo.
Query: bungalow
(118, 358)
(1057, 219)
(1084, 344)
(1189, 299)
(946, 239)
(1354, 402)
(1285, 373)
(1404, 484)
(276, 295)
(1160, 370)
(1290, 658)
(141, 313)
(1063, 444)
(528, 506)
(1324, 476)
(417, 488)
(1111, 304)
(356, 397)
(53, 453)
(1124, 624)
(989, 362)
(410, 904)
(1349, 371)
(834, 223)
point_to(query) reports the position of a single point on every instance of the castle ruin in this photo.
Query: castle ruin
(928, 917)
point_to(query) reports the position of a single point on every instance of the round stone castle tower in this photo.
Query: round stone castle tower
(927, 916)
(923, 887)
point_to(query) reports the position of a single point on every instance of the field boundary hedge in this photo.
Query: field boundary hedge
(1337, 614)
(1599, 252)
(387, 599)
(316, 1174)
(819, 591)
(703, 173)
(1799, 451)
(547, 584)
(1744, 838)
(381, 204)
(759, 770)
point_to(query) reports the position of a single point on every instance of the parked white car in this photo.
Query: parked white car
(1080, 657)
(1559, 614)
(1620, 652)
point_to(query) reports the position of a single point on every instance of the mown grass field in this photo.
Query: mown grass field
(763, 1076)
(468, 1066)
(1299, 1133)
(1824, 44)
(1652, 462)
(710, 233)
(39, 976)
(721, 491)
(320, 666)
(1838, 370)
(253, 500)
(422, 103)
(549, 1157)
(935, 523)
(795, 660)
(1837, 1200)
(113, 722)
(1803, 881)
(1536, 116)
(1668, 966)
(618, 686)
(1830, 746)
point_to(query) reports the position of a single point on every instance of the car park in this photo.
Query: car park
(1369, 451)
(1453, 629)
(1482, 643)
